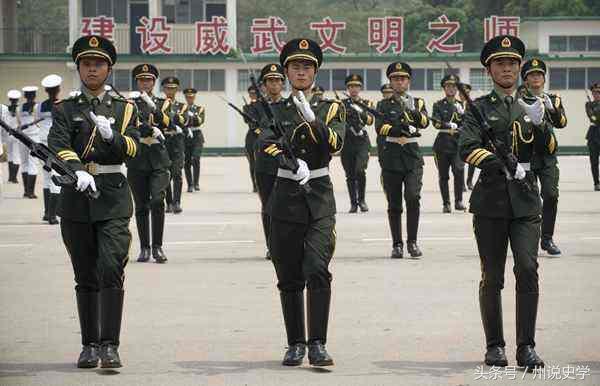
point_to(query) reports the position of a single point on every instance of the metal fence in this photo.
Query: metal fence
(34, 40)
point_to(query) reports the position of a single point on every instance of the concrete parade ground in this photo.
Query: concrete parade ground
(211, 315)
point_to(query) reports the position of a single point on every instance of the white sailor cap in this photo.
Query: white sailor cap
(13, 94)
(29, 89)
(74, 93)
(51, 81)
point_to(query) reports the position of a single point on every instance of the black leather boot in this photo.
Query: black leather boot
(362, 187)
(188, 178)
(177, 207)
(143, 227)
(169, 198)
(31, 186)
(292, 304)
(158, 225)
(446, 208)
(458, 205)
(412, 227)
(177, 186)
(527, 304)
(550, 248)
(351, 184)
(13, 171)
(158, 255)
(196, 172)
(490, 305)
(413, 249)
(25, 181)
(46, 204)
(396, 230)
(318, 302)
(112, 312)
(88, 308)
(52, 204)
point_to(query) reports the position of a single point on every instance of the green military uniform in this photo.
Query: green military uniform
(545, 164)
(592, 136)
(386, 92)
(175, 143)
(195, 116)
(401, 160)
(148, 172)
(96, 231)
(506, 209)
(302, 239)
(265, 167)
(251, 136)
(317, 94)
(447, 113)
(355, 153)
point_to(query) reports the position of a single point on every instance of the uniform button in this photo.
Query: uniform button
(93, 149)
(303, 136)
(303, 151)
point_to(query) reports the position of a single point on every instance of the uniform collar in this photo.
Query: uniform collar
(89, 96)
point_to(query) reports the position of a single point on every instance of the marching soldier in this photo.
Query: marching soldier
(545, 165)
(505, 201)
(447, 116)
(470, 168)
(251, 134)
(175, 143)
(302, 204)
(401, 160)
(592, 108)
(273, 77)
(355, 153)
(94, 133)
(148, 172)
(26, 114)
(386, 92)
(51, 84)
(12, 144)
(194, 118)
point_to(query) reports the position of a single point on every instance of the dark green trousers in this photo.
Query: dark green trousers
(408, 184)
(594, 149)
(99, 252)
(301, 253)
(265, 183)
(548, 177)
(446, 162)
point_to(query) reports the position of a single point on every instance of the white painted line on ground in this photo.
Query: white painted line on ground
(15, 245)
(204, 242)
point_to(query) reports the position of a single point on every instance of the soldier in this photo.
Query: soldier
(386, 91)
(302, 204)
(592, 108)
(470, 168)
(251, 134)
(94, 133)
(273, 78)
(355, 153)
(195, 116)
(175, 143)
(447, 116)
(12, 144)
(26, 114)
(148, 172)
(545, 165)
(401, 160)
(505, 201)
(51, 84)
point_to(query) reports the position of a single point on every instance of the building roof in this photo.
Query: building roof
(559, 18)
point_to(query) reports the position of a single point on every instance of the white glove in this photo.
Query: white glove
(304, 107)
(409, 101)
(190, 114)
(357, 108)
(85, 180)
(453, 126)
(103, 125)
(535, 111)
(548, 103)
(156, 133)
(178, 129)
(303, 172)
(146, 98)
(190, 134)
(519, 172)
(459, 108)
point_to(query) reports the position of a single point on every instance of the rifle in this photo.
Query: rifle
(275, 125)
(247, 117)
(66, 177)
(377, 114)
(508, 159)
